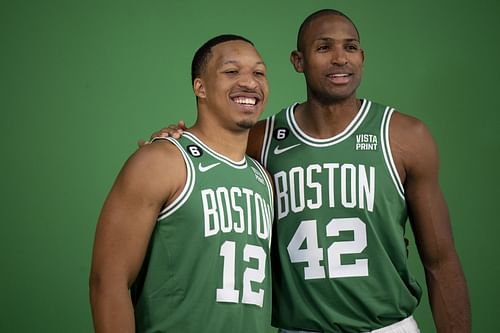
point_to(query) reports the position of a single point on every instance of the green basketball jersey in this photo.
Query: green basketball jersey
(207, 265)
(341, 263)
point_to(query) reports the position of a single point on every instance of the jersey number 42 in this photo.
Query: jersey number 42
(312, 254)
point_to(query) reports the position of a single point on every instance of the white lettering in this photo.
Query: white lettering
(281, 184)
(297, 178)
(348, 171)
(210, 212)
(347, 185)
(236, 209)
(314, 185)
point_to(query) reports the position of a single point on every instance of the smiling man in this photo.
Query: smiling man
(348, 175)
(182, 243)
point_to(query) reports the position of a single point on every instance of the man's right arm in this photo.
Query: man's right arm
(124, 229)
(256, 140)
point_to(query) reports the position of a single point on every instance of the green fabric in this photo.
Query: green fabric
(218, 230)
(340, 261)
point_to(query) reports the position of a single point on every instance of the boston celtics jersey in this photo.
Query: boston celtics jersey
(341, 263)
(207, 266)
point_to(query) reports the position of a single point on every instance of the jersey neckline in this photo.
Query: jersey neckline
(235, 164)
(309, 140)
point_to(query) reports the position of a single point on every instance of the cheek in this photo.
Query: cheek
(314, 69)
(265, 87)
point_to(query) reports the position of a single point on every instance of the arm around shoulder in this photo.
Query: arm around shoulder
(416, 155)
(150, 178)
(256, 140)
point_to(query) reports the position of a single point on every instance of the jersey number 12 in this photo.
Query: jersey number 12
(228, 293)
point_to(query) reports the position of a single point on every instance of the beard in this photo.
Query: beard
(246, 124)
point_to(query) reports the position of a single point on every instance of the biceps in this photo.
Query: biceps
(122, 235)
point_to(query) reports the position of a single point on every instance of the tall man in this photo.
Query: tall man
(348, 174)
(187, 224)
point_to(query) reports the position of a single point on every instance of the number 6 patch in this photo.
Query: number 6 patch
(194, 150)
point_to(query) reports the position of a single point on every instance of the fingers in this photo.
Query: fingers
(182, 125)
(174, 131)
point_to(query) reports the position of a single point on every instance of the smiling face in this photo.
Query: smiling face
(330, 57)
(233, 86)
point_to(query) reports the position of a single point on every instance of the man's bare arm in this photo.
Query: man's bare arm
(124, 229)
(417, 157)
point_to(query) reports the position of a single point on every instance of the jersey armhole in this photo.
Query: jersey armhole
(386, 148)
(268, 135)
(188, 186)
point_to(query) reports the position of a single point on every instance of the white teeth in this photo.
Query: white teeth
(245, 100)
(340, 75)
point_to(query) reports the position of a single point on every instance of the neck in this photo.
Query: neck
(324, 121)
(231, 144)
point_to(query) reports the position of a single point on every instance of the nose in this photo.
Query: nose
(339, 57)
(248, 81)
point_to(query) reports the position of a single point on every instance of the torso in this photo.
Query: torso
(207, 263)
(341, 216)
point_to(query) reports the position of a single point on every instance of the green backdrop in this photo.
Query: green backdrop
(82, 81)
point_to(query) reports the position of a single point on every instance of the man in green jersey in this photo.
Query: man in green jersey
(183, 240)
(348, 174)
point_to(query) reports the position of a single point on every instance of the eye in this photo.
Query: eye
(260, 73)
(231, 71)
(352, 47)
(323, 47)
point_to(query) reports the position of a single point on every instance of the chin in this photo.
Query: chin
(246, 124)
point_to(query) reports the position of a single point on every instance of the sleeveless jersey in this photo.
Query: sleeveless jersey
(207, 265)
(341, 263)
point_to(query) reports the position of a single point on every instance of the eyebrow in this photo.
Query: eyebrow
(328, 39)
(237, 62)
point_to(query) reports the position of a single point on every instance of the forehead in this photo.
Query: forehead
(237, 51)
(329, 26)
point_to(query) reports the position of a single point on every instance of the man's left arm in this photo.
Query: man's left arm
(431, 226)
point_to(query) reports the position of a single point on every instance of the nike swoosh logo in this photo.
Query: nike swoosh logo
(207, 167)
(279, 150)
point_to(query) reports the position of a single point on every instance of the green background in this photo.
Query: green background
(82, 81)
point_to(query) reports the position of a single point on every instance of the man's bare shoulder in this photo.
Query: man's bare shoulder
(158, 152)
(406, 124)
(159, 164)
(411, 142)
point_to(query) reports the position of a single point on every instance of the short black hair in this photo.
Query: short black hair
(200, 58)
(313, 16)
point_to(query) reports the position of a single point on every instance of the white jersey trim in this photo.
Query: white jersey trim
(386, 149)
(188, 186)
(270, 190)
(346, 133)
(235, 164)
(268, 136)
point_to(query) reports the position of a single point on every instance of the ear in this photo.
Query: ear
(297, 61)
(363, 55)
(199, 88)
